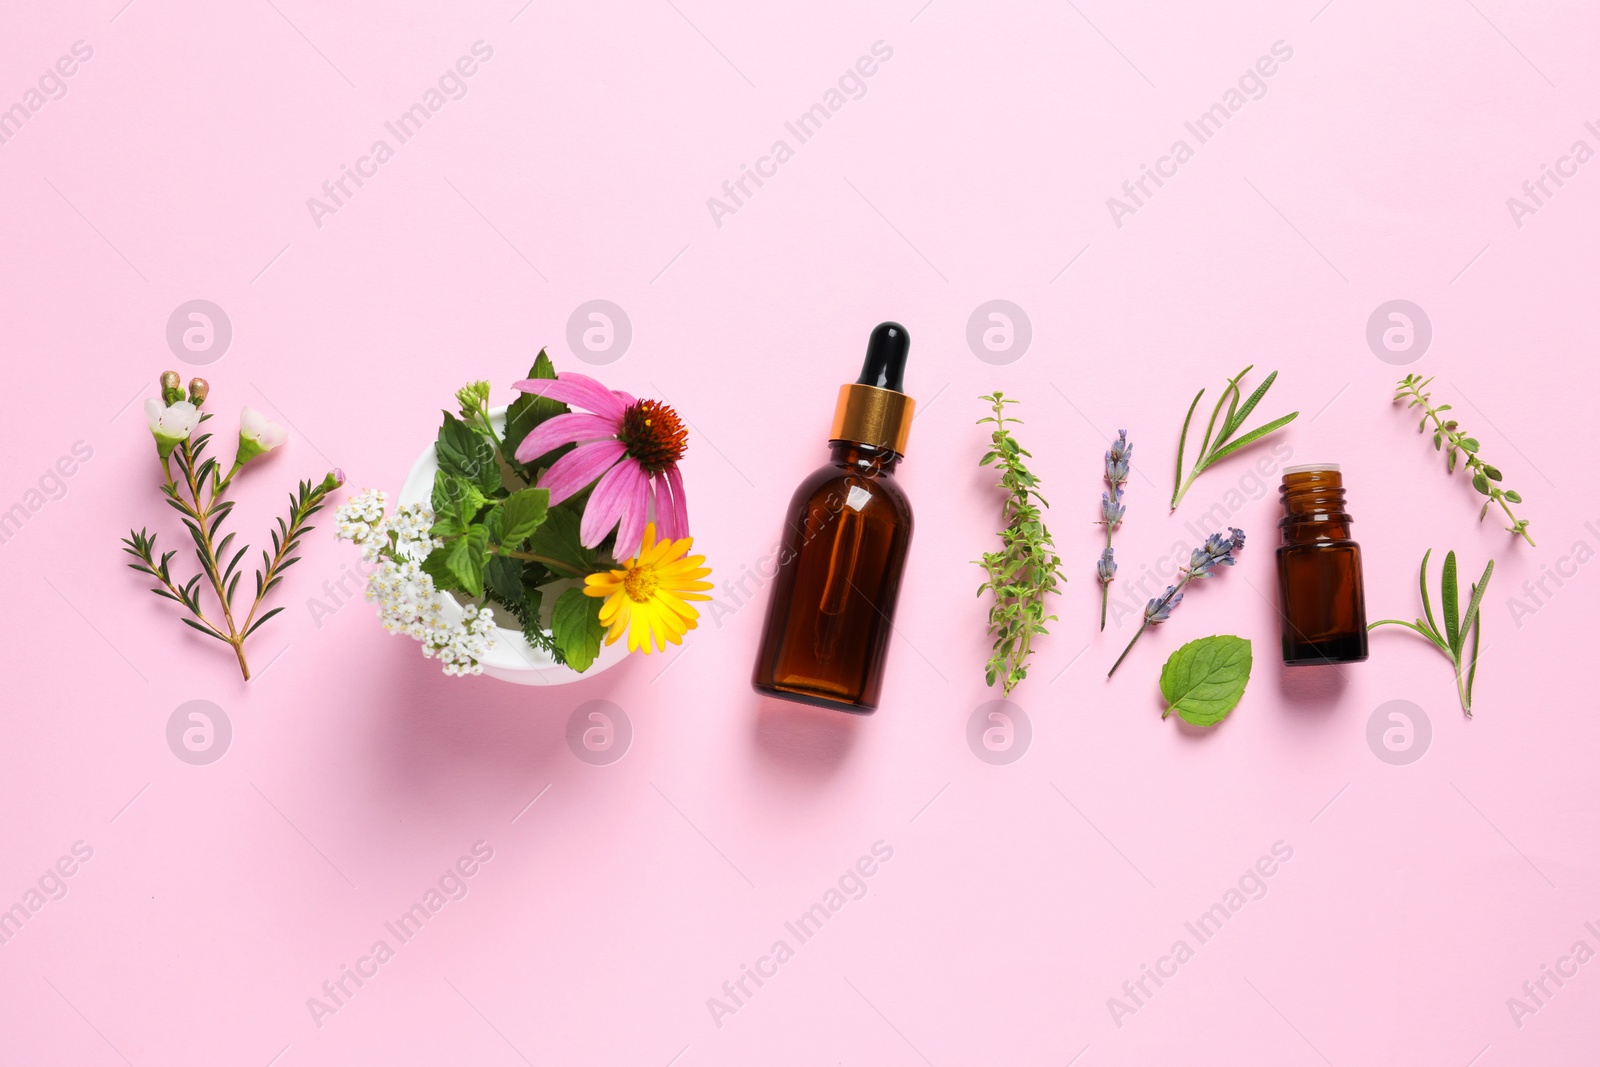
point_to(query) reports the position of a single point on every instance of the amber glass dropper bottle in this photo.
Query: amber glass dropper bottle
(1321, 600)
(844, 547)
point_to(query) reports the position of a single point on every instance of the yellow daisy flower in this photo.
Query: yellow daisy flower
(647, 596)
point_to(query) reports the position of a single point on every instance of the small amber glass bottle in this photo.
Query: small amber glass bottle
(844, 548)
(1321, 600)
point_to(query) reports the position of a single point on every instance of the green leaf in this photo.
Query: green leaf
(1253, 436)
(528, 410)
(455, 504)
(1513, 496)
(1177, 482)
(1477, 598)
(467, 454)
(1427, 606)
(437, 567)
(1480, 483)
(521, 514)
(557, 538)
(466, 558)
(1248, 406)
(1450, 603)
(575, 625)
(502, 577)
(1204, 680)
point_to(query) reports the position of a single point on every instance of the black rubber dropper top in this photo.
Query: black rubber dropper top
(885, 365)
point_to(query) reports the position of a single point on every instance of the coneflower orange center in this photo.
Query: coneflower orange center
(654, 434)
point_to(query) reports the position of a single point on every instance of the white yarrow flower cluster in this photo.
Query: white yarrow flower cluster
(407, 601)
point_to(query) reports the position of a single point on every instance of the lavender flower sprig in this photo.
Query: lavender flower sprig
(1203, 561)
(1112, 509)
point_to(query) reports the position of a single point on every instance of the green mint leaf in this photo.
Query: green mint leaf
(575, 625)
(466, 558)
(528, 411)
(455, 504)
(1204, 680)
(437, 567)
(557, 539)
(467, 454)
(502, 577)
(521, 514)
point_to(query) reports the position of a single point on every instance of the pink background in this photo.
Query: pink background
(977, 166)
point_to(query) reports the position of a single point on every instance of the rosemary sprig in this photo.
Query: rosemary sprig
(1447, 432)
(1452, 642)
(1026, 569)
(1224, 444)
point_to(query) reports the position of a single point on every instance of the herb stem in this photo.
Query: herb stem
(557, 565)
(201, 513)
(1142, 627)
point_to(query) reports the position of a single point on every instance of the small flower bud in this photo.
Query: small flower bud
(257, 435)
(171, 387)
(199, 389)
(473, 398)
(333, 481)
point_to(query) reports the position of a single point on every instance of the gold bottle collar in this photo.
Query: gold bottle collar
(872, 416)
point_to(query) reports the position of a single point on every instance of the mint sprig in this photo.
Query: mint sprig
(1204, 680)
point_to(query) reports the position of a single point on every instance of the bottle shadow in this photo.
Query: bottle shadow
(808, 743)
(1316, 688)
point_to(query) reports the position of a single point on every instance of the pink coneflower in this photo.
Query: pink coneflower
(631, 446)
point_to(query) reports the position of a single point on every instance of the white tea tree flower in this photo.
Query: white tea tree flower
(171, 424)
(257, 436)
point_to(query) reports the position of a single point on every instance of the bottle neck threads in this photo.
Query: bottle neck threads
(1313, 506)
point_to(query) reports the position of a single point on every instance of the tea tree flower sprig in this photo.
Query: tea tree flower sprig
(1224, 444)
(1112, 509)
(1026, 569)
(1457, 627)
(197, 495)
(1449, 438)
(1203, 562)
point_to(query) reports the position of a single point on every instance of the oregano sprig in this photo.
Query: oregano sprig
(1448, 437)
(1224, 444)
(1457, 627)
(1026, 568)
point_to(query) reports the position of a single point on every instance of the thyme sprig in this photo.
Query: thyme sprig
(1026, 568)
(1457, 627)
(1447, 434)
